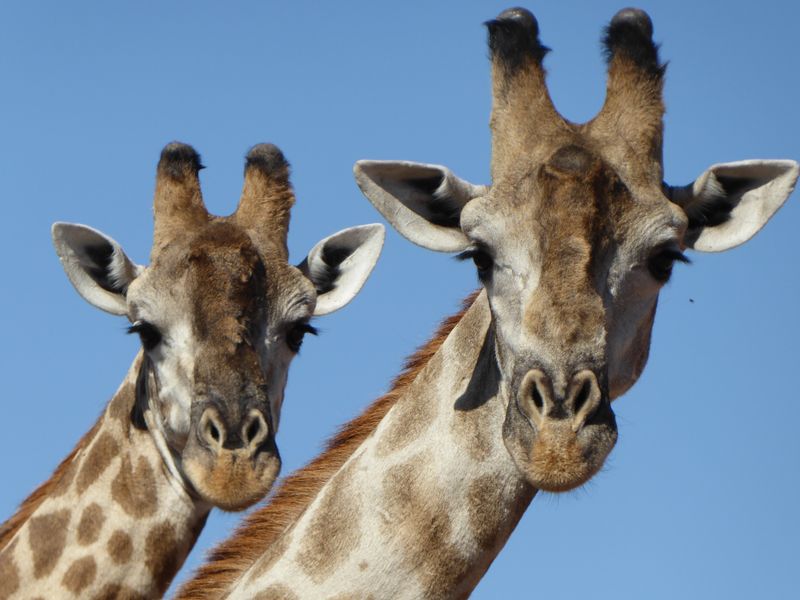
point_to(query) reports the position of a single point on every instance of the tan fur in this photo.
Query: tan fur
(263, 527)
(332, 540)
(422, 525)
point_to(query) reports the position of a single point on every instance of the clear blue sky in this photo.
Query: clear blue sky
(699, 499)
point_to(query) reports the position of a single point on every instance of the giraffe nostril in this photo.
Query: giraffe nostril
(211, 428)
(538, 401)
(252, 430)
(582, 397)
(255, 429)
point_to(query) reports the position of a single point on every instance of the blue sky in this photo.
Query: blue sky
(698, 499)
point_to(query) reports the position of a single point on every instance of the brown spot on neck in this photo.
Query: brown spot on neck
(47, 535)
(163, 555)
(114, 591)
(276, 591)
(120, 547)
(134, 489)
(265, 526)
(91, 523)
(80, 574)
(9, 575)
(101, 453)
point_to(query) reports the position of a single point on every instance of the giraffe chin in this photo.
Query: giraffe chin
(555, 458)
(232, 481)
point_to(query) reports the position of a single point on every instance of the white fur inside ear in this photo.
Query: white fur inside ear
(422, 202)
(339, 265)
(96, 265)
(751, 190)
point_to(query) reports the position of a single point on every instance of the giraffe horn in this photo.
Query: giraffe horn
(522, 110)
(267, 197)
(178, 203)
(633, 110)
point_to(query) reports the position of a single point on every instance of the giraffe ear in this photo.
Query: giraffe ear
(339, 265)
(731, 202)
(96, 265)
(422, 202)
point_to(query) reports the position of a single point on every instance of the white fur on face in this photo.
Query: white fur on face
(274, 353)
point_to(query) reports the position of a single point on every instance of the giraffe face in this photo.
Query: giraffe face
(574, 239)
(221, 314)
(219, 325)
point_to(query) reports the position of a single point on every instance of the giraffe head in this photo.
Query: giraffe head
(220, 313)
(574, 238)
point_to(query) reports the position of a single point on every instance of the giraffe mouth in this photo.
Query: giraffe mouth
(231, 467)
(232, 481)
(559, 445)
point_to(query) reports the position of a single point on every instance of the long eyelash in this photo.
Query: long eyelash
(137, 327)
(467, 254)
(309, 328)
(677, 256)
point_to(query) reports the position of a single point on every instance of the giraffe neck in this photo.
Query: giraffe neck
(425, 504)
(113, 521)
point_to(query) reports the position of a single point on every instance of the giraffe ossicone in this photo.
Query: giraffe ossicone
(573, 241)
(221, 314)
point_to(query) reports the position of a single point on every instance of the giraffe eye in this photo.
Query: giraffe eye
(482, 259)
(661, 262)
(296, 333)
(148, 333)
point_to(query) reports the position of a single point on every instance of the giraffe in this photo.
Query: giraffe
(572, 242)
(221, 314)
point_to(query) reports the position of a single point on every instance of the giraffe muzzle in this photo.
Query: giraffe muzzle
(559, 440)
(232, 463)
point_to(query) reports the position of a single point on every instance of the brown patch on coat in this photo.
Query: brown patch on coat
(270, 557)
(484, 507)
(488, 509)
(121, 405)
(335, 530)
(120, 547)
(9, 575)
(410, 418)
(162, 555)
(101, 453)
(55, 486)
(91, 524)
(80, 574)
(114, 591)
(134, 489)
(262, 528)
(276, 591)
(47, 535)
(420, 524)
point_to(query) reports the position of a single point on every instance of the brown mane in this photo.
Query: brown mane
(263, 527)
(28, 506)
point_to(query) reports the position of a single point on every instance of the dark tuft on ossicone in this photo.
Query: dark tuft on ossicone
(630, 34)
(269, 159)
(179, 160)
(514, 38)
